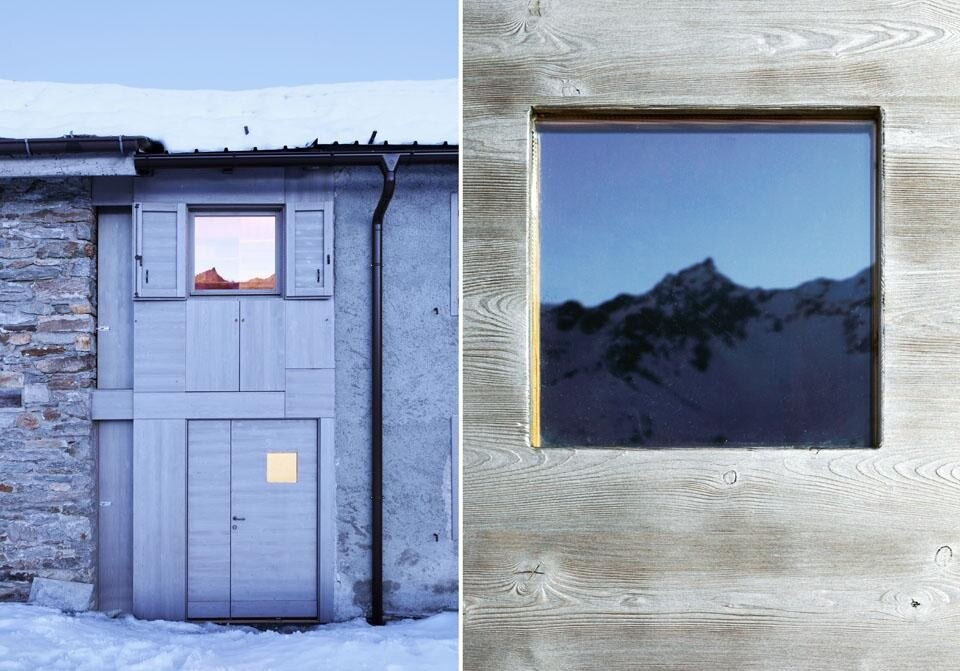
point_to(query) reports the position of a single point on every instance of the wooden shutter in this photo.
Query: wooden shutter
(160, 243)
(309, 243)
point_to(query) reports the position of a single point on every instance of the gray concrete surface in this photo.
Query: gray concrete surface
(420, 391)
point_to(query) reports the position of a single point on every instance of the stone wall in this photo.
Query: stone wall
(47, 341)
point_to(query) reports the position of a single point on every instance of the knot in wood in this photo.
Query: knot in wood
(944, 555)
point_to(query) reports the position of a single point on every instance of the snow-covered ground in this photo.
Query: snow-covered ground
(400, 111)
(34, 638)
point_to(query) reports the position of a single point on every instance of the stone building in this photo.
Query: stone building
(195, 346)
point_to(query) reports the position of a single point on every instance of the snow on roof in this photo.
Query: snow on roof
(400, 111)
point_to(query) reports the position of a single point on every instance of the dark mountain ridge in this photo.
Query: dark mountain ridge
(649, 368)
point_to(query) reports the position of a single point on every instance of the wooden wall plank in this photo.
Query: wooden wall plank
(309, 334)
(115, 519)
(274, 549)
(242, 186)
(309, 252)
(111, 404)
(262, 343)
(159, 352)
(159, 519)
(717, 558)
(310, 392)
(208, 405)
(213, 344)
(327, 550)
(455, 478)
(208, 519)
(454, 253)
(114, 298)
(159, 235)
(113, 191)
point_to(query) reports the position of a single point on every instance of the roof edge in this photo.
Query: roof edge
(78, 144)
(317, 154)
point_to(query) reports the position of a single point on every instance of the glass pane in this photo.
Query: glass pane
(235, 252)
(707, 283)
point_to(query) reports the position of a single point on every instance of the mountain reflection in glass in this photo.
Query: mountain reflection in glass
(235, 252)
(707, 283)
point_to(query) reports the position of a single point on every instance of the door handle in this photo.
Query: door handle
(239, 519)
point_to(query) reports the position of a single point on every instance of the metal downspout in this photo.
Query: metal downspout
(388, 166)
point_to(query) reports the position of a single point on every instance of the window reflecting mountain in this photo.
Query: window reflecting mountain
(211, 280)
(700, 360)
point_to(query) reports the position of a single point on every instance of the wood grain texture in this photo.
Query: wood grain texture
(714, 558)
(261, 344)
(159, 519)
(208, 405)
(309, 334)
(243, 186)
(273, 566)
(213, 344)
(160, 245)
(111, 404)
(327, 502)
(114, 307)
(208, 519)
(115, 519)
(159, 345)
(310, 392)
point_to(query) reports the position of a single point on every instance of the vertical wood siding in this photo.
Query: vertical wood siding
(213, 345)
(159, 353)
(114, 307)
(208, 519)
(262, 340)
(115, 520)
(309, 334)
(159, 518)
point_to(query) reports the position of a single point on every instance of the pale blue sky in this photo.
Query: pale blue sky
(773, 205)
(240, 44)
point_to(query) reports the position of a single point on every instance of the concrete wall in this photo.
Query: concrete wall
(47, 458)
(420, 391)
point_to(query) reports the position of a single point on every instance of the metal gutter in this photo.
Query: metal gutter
(331, 154)
(78, 144)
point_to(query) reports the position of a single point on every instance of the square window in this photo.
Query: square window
(235, 253)
(705, 283)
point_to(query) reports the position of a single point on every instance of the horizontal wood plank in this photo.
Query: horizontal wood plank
(310, 392)
(208, 405)
(111, 404)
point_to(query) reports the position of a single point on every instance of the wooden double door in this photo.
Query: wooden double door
(252, 519)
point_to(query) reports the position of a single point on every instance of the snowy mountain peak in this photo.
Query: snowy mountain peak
(697, 277)
(705, 269)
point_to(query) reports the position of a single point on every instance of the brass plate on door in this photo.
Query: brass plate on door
(281, 466)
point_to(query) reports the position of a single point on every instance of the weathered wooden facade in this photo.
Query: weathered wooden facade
(203, 390)
(713, 558)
